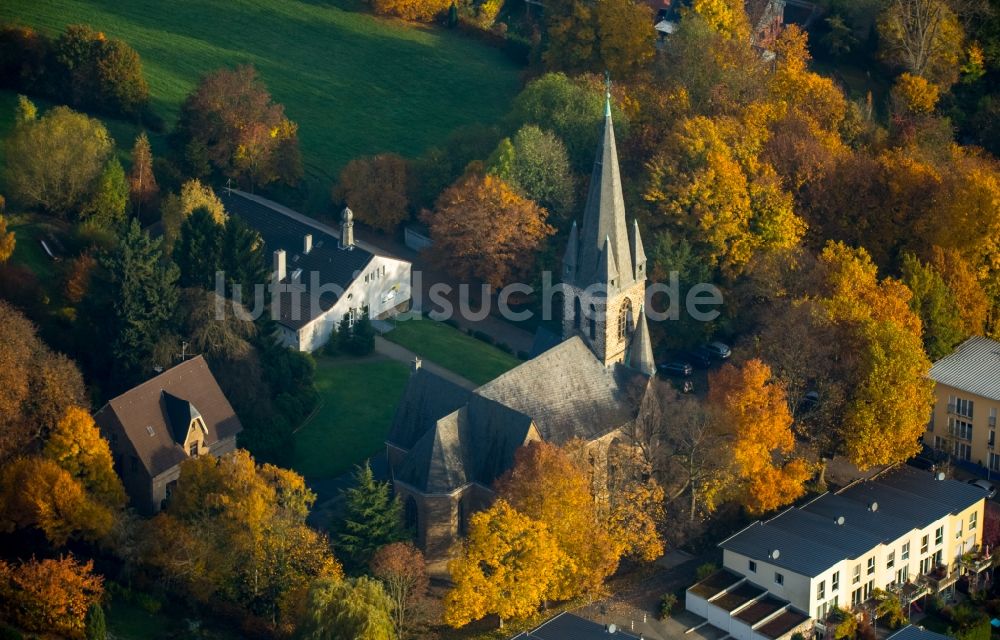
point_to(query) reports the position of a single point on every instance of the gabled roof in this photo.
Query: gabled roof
(426, 399)
(974, 367)
(812, 538)
(142, 413)
(567, 392)
(334, 266)
(475, 443)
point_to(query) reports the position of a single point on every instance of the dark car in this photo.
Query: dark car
(988, 487)
(718, 350)
(676, 368)
(920, 462)
(700, 357)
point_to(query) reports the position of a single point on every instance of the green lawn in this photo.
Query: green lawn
(444, 345)
(356, 84)
(358, 399)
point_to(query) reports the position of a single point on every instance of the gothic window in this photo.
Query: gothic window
(577, 312)
(624, 319)
(410, 515)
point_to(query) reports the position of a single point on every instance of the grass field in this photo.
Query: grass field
(356, 84)
(358, 399)
(444, 345)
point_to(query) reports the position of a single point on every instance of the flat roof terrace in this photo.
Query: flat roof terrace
(761, 609)
(782, 624)
(715, 584)
(739, 596)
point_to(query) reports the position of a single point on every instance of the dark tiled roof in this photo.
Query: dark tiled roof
(334, 266)
(427, 398)
(475, 443)
(974, 367)
(143, 409)
(567, 626)
(811, 539)
(913, 632)
(568, 393)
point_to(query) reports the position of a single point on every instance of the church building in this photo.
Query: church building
(448, 445)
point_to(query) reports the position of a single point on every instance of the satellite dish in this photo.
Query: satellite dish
(775, 554)
(874, 506)
(840, 520)
(612, 628)
(940, 475)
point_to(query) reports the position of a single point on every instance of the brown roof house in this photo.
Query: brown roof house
(154, 427)
(447, 445)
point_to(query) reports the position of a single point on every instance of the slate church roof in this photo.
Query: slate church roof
(455, 436)
(152, 414)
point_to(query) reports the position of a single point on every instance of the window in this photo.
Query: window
(856, 578)
(871, 565)
(973, 520)
(856, 597)
(624, 318)
(960, 429)
(963, 407)
(958, 530)
(778, 578)
(821, 590)
(994, 462)
(992, 441)
(939, 536)
(890, 560)
(905, 554)
(923, 545)
(752, 566)
(835, 582)
(869, 588)
(962, 451)
(193, 450)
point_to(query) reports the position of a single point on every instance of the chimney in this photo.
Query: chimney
(279, 265)
(307, 244)
(347, 229)
(416, 364)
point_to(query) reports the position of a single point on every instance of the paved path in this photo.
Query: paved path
(402, 354)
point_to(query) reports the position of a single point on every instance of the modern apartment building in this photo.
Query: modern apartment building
(967, 401)
(907, 531)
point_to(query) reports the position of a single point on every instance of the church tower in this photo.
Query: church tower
(604, 268)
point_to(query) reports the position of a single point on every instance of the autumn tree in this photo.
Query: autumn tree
(964, 285)
(922, 36)
(358, 609)
(483, 229)
(230, 115)
(98, 72)
(235, 531)
(7, 241)
(78, 276)
(545, 485)
(177, 207)
(37, 386)
(372, 519)
(375, 189)
(540, 168)
(59, 156)
(415, 10)
(51, 595)
(727, 17)
(403, 572)
(77, 446)
(935, 304)
(615, 35)
(507, 567)
(141, 180)
(754, 412)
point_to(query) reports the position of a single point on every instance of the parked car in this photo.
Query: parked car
(986, 486)
(920, 462)
(718, 350)
(700, 357)
(676, 368)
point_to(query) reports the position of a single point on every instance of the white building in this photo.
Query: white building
(325, 274)
(903, 531)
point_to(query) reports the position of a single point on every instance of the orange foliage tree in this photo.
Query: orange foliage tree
(754, 410)
(416, 10)
(50, 596)
(375, 189)
(483, 229)
(76, 445)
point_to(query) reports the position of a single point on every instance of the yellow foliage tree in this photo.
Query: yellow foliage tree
(635, 518)
(755, 412)
(7, 241)
(416, 10)
(76, 445)
(177, 207)
(544, 484)
(914, 95)
(727, 17)
(923, 36)
(507, 567)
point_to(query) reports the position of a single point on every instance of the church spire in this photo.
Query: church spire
(604, 213)
(640, 355)
(638, 253)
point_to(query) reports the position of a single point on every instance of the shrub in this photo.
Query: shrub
(667, 604)
(706, 570)
(96, 628)
(149, 603)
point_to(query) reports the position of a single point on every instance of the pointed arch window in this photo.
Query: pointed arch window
(624, 319)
